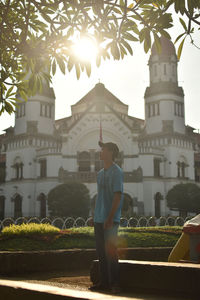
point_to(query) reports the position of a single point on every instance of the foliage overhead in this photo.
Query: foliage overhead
(37, 36)
(69, 200)
(184, 197)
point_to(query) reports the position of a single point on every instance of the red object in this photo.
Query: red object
(191, 229)
(198, 248)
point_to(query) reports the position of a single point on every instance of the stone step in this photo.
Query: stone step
(19, 290)
(171, 278)
(21, 262)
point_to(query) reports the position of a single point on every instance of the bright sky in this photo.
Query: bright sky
(127, 80)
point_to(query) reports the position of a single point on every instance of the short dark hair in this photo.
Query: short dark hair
(111, 147)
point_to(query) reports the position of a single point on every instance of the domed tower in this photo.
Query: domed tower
(37, 115)
(164, 99)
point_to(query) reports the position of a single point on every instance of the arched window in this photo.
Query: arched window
(156, 166)
(181, 167)
(2, 207)
(84, 161)
(17, 199)
(43, 168)
(128, 204)
(42, 199)
(18, 168)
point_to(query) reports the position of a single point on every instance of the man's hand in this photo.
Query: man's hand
(108, 223)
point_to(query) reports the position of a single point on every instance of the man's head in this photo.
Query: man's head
(108, 149)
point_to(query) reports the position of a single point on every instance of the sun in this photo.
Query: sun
(85, 49)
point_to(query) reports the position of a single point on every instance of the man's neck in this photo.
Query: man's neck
(107, 164)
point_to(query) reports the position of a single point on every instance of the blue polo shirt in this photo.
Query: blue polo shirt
(109, 181)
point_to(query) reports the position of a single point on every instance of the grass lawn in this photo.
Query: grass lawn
(34, 237)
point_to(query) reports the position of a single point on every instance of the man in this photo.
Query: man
(107, 215)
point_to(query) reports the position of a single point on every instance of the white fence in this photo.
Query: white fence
(69, 222)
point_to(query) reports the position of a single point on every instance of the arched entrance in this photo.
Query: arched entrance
(17, 199)
(127, 208)
(42, 199)
(158, 198)
(2, 207)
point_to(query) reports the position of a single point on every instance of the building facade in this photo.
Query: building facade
(40, 152)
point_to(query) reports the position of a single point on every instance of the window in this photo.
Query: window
(156, 164)
(153, 109)
(2, 172)
(165, 69)
(42, 199)
(18, 169)
(84, 161)
(178, 109)
(197, 171)
(2, 207)
(20, 111)
(43, 168)
(98, 162)
(46, 110)
(17, 206)
(181, 168)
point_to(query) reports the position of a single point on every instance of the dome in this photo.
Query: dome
(167, 49)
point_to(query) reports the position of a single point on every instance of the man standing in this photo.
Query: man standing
(107, 218)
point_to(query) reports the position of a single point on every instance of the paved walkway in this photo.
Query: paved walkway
(76, 284)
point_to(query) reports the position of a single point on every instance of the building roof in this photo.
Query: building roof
(167, 47)
(99, 90)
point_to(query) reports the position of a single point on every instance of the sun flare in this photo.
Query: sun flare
(85, 49)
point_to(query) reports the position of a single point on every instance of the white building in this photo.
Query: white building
(155, 153)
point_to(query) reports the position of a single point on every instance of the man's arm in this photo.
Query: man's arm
(115, 204)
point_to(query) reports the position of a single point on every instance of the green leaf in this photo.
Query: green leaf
(61, 64)
(9, 108)
(23, 95)
(70, 64)
(98, 60)
(130, 37)
(179, 37)
(123, 50)
(180, 48)
(77, 70)
(9, 91)
(157, 43)
(54, 67)
(183, 24)
(147, 40)
(127, 46)
(88, 69)
(115, 50)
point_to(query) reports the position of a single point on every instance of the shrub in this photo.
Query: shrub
(29, 229)
(69, 199)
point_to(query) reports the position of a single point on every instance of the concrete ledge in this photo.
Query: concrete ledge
(18, 290)
(173, 278)
(20, 262)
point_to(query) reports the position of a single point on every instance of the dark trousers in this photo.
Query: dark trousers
(106, 246)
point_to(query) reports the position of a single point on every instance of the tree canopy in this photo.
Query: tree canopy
(69, 200)
(37, 36)
(184, 197)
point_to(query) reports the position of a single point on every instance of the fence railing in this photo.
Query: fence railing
(69, 222)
